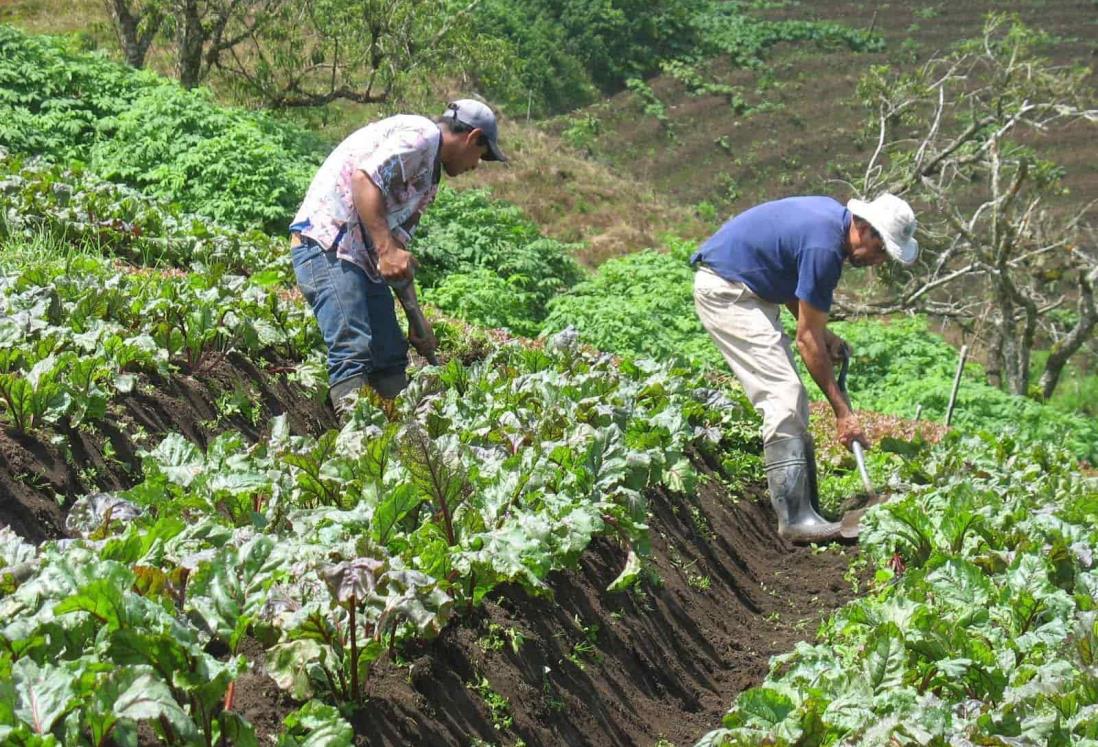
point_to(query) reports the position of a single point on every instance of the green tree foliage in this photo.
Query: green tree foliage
(288, 53)
(235, 166)
(569, 51)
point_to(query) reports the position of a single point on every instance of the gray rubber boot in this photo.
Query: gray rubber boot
(790, 481)
(810, 459)
(340, 395)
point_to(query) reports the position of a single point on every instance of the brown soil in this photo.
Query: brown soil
(663, 663)
(43, 472)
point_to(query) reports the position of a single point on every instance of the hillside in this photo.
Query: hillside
(558, 534)
(804, 125)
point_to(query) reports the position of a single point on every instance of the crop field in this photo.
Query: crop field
(559, 535)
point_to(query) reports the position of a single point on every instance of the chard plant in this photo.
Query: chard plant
(981, 626)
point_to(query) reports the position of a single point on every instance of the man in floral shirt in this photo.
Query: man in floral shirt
(349, 238)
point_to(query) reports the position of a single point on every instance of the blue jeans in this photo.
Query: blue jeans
(357, 316)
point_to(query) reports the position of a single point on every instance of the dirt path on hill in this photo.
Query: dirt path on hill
(600, 668)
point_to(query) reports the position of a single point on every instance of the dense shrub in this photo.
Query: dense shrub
(467, 233)
(239, 167)
(566, 52)
(482, 297)
(640, 304)
(724, 29)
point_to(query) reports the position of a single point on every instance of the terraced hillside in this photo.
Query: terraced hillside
(800, 122)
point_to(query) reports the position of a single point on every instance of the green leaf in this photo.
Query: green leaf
(289, 665)
(760, 707)
(235, 730)
(42, 693)
(885, 658)
(316, 725)
(146, 698)
(629, 574)
(398, 502)
(178, 459)
(229, 592)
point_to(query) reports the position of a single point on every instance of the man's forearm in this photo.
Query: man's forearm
(370, 205)
(813, 351)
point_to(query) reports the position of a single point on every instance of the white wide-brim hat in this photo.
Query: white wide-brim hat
(895, 222)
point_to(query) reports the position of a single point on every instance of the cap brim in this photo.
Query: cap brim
(494, 153)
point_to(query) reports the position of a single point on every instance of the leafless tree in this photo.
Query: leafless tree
(949, 139)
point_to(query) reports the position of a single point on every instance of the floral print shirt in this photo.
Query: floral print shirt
(400, 155)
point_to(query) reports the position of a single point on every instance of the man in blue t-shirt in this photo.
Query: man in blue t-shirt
(791, 252)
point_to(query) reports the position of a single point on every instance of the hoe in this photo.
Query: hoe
(850, 524)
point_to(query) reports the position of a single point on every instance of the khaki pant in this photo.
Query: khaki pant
(748, 332)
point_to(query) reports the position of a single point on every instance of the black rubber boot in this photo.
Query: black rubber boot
(389, 384)
(341, 393)
(790, 480)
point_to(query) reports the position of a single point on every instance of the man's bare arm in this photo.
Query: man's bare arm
(394, 262)
(812, 343)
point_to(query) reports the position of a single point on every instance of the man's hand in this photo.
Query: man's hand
(835, 345)
(850, 430)
(424, 345)
(395, 263)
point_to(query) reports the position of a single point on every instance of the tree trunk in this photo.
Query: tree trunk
(192, 39)
(134, 39)
(1079, 334)
(1009, 344)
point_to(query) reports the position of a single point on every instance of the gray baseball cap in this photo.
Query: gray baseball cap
(478, 116)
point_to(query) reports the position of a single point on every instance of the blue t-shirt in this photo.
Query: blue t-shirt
(782, 250)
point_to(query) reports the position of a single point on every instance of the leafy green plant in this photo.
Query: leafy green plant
(35, 396)
(984, 591)
(485, 261)
(239, 167)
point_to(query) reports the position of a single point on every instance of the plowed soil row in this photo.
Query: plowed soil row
(590, 667)
(43, 472)
(579, 666)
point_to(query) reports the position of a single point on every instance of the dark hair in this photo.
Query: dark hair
(456, 126)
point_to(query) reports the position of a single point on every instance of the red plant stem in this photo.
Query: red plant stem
(230, 693)
(354, 651)
(449, 525)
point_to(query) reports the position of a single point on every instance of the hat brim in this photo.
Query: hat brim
(494, 153)
(904, 252)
